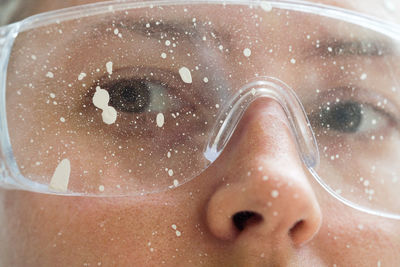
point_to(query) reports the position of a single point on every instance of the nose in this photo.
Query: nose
(265, 192)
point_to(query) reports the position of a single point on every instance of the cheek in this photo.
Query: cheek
(350, 238)
(49, 229)
(166, 228)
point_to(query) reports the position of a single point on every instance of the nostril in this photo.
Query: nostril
(245, 218)
(296, 228)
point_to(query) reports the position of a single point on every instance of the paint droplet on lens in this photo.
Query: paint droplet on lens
(363, 76)
(185, 75)
(109, 115)
(50, 75)
(160, 120)
(81, 76)
(109, 67)
(101, 98)
(274, 193)
(59, 181)
(247, 52)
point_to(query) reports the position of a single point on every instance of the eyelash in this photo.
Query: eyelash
(144, 122)
(365, 102)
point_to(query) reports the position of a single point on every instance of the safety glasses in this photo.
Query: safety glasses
(129, 98)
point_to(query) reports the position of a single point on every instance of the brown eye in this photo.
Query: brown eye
(343, 117)
(132, 96)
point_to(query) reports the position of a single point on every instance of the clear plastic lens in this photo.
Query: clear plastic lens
(126, 100)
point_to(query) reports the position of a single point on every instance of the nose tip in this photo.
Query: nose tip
(289, 213)
(266, 192)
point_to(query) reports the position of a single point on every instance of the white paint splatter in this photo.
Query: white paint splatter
(50, 75)
(170, 172)
(205, 80)
(363, 76)
(109, 67)
(81, 76)
(168, 154)
(160, 120)
(52, 95)
(247, 52)
(266, 6)
(109, 115)
(100, 100)
(176, 183)
(185, 75)
(101, 188)
(163, 55)
(33, 57)
(274, 193)
(293, 61)
(62, 119)
(178, 233)
(59, 181)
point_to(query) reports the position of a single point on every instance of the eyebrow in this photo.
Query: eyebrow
(186, 30)
(329, 47)
(332, 47)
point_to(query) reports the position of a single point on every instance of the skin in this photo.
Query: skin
(311, 229)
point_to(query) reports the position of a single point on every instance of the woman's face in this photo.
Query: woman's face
(294, 221)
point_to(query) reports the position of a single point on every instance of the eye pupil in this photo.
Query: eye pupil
(129, 95)
(344, 117)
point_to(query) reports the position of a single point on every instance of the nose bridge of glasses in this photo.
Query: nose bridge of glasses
(236, 106)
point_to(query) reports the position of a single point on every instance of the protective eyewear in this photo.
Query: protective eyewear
(127, 98)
